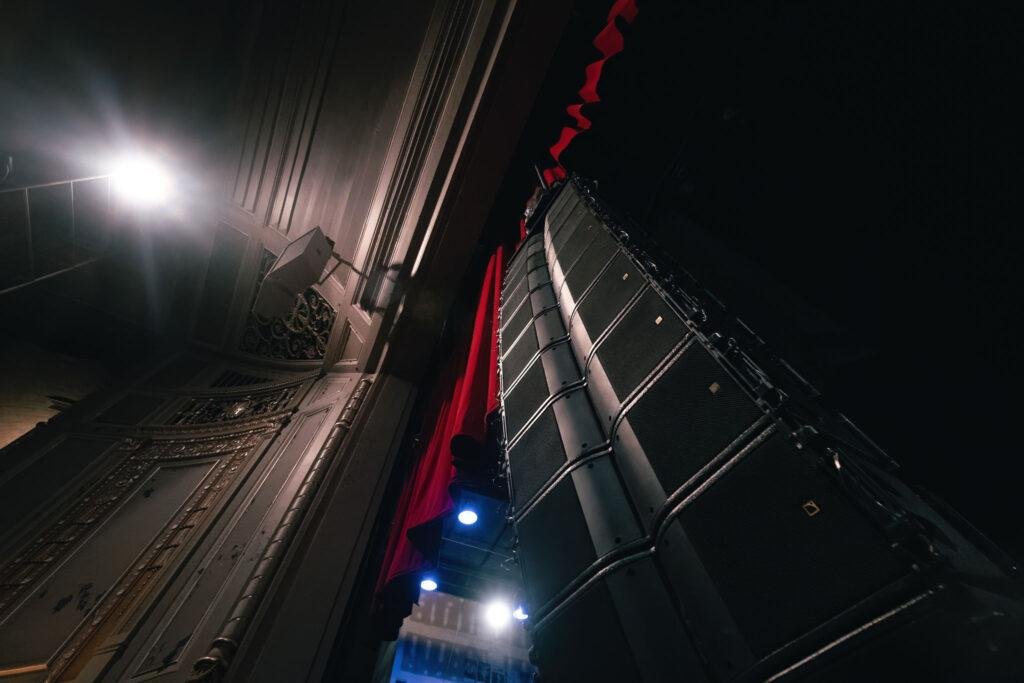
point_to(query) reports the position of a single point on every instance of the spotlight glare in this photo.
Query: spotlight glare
(428, 584)
(140, 181)
(468, 517)
(497, 614)
(519, 614)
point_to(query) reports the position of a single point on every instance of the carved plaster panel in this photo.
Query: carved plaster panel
(83, 575)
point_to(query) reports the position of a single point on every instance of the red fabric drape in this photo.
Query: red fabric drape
(467, 390)
(465, 393)
(478, 387)
(563, 141)
(553, 175)
(609, 42)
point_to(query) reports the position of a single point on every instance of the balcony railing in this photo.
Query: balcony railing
(51, 228)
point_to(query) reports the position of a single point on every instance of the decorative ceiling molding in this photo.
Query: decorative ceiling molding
(436, 74)
(283, 99)
(64, 535)
(227, 408)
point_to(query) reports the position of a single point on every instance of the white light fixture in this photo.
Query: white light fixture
(428, 584)
(468, 517)
(141, 181)
(519, 614)
(497, 614)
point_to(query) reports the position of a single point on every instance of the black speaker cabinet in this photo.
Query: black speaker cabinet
(602, 301)
(566, 227)
(517, 265)
(785, 547)
(516, 321)
(524, 398)
(515, 269)
(620, 626)
(516, 290)
(580, 273)
(584, 516)
(563, 432)
(674, 524)
(522, 350)
(560, 208)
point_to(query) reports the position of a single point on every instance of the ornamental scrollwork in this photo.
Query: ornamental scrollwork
(302, 335)
(224, 408)
(138, 459)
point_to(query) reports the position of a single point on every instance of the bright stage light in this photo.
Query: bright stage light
(428, 584)
(519, 614)
(497, 614)
(141, 181)
(468, 517)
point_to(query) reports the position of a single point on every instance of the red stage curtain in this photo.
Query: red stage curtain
(609, 42)
(465, 393)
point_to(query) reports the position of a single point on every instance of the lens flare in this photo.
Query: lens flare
(497, 614)
(141, 181)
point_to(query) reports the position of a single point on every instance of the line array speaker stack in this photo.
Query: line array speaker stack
(686, 510)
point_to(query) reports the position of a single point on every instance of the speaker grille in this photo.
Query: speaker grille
(688, 416)
(610, 293)
(573, 211)
(583, 271)
(511, 299)
(785, 548)
(524, 399)
(517, 266)
(535, 457)
(555, 544)
(579, 216)
(513, 324)
(564, 195)
(511, 278)
(568, 244)
(558, 216)
(519, 355)
(586, 642)
(583, 235)
(639, 341)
